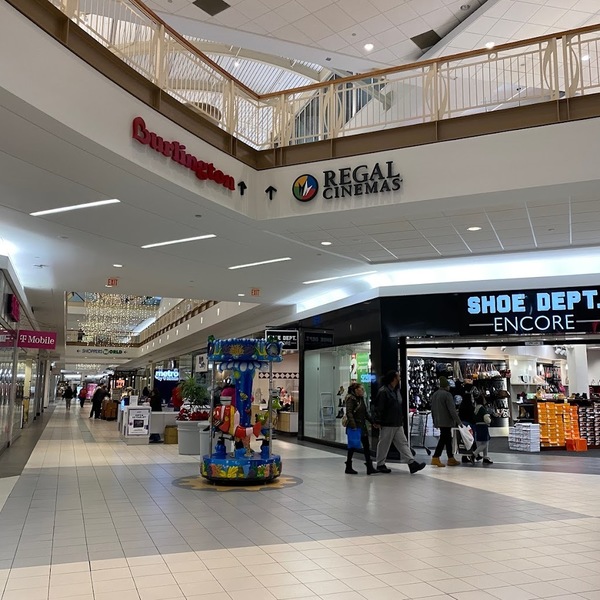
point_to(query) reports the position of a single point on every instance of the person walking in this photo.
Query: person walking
(388, 417)
(155, 406)
(358, 415)
(482, 431)
(99, 395)
(68, 396)
(445, 417)
(82, 395)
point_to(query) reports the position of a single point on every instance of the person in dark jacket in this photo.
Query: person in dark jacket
(68, 396)
(156, 406)
(445, 417)
(466, 412)
(358, 415)
(99, 395)
(388, 417)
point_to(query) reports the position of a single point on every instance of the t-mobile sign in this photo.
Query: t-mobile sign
(42, 340)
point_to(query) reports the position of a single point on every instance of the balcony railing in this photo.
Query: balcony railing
(537, 70)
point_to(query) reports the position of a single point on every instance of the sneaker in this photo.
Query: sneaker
(383, 469)
(487, 461)
(415, 467)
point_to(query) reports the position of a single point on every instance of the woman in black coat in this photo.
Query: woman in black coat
(357, 416)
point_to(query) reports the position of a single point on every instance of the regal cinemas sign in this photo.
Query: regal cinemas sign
(177, 152)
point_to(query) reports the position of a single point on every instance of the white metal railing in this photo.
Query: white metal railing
(537, 70)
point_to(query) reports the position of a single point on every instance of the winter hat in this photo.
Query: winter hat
(444, 383)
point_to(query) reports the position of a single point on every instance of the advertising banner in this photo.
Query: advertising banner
(42, 340)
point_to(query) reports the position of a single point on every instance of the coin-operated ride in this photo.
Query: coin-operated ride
(231, 415)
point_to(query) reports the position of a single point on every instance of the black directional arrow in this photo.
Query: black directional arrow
(271, 190)
(243, 187)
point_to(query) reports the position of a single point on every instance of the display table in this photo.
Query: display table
(159, 420)
(287, 422)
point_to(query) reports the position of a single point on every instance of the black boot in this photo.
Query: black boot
(349, 469)
(370, 468)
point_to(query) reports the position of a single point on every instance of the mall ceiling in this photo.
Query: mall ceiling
(76, 251)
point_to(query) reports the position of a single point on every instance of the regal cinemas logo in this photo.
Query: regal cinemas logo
(347, 182)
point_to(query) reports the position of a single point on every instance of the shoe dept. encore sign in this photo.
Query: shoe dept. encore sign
(177, 152)
(533, 311)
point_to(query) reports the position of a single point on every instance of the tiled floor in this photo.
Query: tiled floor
(91, 518)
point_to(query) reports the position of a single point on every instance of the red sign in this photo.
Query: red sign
(42, 340)
(112, 282)
(255, 292)
(14, 308)
(176, 152)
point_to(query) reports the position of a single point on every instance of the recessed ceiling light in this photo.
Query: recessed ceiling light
(490, 45)
(51, 211)
(117, 266)
(108, 286)
(585, 57)
(325, 243)
(181, 241)
(241, 295)
(473, 228)
(262, 262)
(338, 277)
(369, 47)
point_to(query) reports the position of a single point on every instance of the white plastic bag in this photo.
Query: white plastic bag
(467, 437)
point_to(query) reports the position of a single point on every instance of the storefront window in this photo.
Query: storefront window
(328, 372)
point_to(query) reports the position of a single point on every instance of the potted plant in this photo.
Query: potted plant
(193, 417)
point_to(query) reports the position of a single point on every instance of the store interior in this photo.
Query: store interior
(544, 395)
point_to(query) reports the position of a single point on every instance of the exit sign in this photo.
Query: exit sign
(112, 282)
(255, 292)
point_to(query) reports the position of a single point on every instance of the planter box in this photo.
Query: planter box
(189, 434)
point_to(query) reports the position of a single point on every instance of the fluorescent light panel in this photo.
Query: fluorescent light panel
(170, 242)
(263, 262)
(51, 211)
(339, 277)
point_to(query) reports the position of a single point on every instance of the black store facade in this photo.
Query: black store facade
(512, 343)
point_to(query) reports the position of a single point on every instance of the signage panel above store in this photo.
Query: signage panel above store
(566, 310)
(346, 182)
(41, 340)
(288, 337)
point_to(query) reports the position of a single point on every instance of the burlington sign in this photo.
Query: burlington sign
(362, 180)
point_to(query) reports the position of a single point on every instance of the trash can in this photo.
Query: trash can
(204, 435)
(188, 438)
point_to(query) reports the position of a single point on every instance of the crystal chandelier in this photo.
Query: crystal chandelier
(111, 318)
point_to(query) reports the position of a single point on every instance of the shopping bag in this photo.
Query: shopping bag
(353, 438)
(467, 437)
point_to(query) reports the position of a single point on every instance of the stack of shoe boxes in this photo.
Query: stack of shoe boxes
(589, 423)
(557, 423)
(524, 437)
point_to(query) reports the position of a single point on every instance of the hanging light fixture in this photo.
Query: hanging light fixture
(111, 318)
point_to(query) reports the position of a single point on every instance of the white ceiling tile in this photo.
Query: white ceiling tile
(561, 3)
(232, 18)
(384, 5)
(255, 27)
(466, 41)
(498, 10)
(313, 28)
(401, 14)
(547, 15)
(481, 25)
(507, 215)
(439, 17)
(521, 11)
(290, 33)
(511, 234)
(549, 210)
(377, 24)
(422, 224)
(414, 27)
(574, 19)
(275, 21)
(445, 239)
(252, 9)
(389, 38)
(439, 231)
(292, 12)
(529, 30)
(590, 6)
(384, 56)
(405, 48)
(355, 34)
(395, 245)
(504, 28)
(314, 5)
(580, 227)
(586, 217)
(331, 15)
(358, 10)
(423, 7)
(274, 4)
(332, 42)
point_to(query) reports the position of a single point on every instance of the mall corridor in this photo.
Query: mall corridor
(93, 519)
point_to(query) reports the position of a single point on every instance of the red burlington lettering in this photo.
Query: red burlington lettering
(177, 152)
(140, 133)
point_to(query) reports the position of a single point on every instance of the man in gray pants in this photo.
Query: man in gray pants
(388, 416)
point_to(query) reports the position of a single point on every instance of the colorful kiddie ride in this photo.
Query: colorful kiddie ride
(231, 416)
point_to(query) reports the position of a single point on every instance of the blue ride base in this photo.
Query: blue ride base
(221, 467)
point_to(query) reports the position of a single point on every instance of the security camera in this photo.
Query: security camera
(502, 348)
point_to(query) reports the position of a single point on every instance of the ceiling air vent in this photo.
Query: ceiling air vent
(426, 40)
(212, 7)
